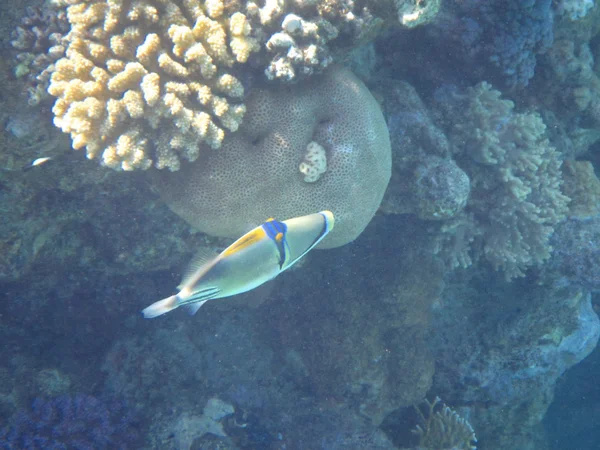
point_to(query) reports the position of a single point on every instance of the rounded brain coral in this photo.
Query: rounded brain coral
(255, 174)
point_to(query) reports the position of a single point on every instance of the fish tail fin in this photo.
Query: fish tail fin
(160, 307)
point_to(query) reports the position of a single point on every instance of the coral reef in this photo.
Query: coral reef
(73, 204)
(359, 334)
(417, 143)
(255, 174)
(444, 428)
(188, 427)
(574, 9)
(40, 41)
(51, 382)
(576, 256)
(504, 366)
(441, 189)
(146, 85)
(131, 70)
(582, 186)
(384, 364)
(303, 35)
(494, 185)
(81, 421)
(516, 198)
(576, 241)
(502, 37)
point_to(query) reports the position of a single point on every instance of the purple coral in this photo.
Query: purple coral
(79, 422)
(505, 35)
(40, 42)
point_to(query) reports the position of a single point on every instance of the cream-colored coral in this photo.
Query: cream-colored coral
(145, 83)
(516, 180)
(443, 428)
(315, 162)
(416, 12)
(220, 195)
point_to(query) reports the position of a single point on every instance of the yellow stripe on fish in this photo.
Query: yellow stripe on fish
(245, 241)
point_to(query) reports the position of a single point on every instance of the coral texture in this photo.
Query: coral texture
(144, 83)
(255, 174)
(504, 36)
(583, 187)
(441, 189)
(576, 241)
(315, 162)
(576, 257)
(303, 35)
(69, 422)
(574, 9)
(40, 41)
(515, 177)
(574, 85)
(505, 365)
(443, 428)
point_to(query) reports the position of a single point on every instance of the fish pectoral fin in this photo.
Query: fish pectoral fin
(200, 259)
(194, 307)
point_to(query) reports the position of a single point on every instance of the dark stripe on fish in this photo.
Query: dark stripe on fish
(204, 294)
(324, 231)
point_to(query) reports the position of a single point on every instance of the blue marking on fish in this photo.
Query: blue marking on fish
(276, 231)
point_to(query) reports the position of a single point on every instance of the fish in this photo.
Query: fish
(255, 258)
(37, 162)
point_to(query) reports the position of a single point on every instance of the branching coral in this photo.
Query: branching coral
(516, 177)
(145, 82)
(503, 37)
(303, 34)
(40, 40)
(443, 429)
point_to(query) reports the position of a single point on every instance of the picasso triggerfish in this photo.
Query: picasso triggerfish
(255, 258)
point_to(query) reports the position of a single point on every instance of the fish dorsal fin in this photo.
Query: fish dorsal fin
(200, 260)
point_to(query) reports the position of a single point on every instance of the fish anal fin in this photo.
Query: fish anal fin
(200, 260)
(194, 307)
